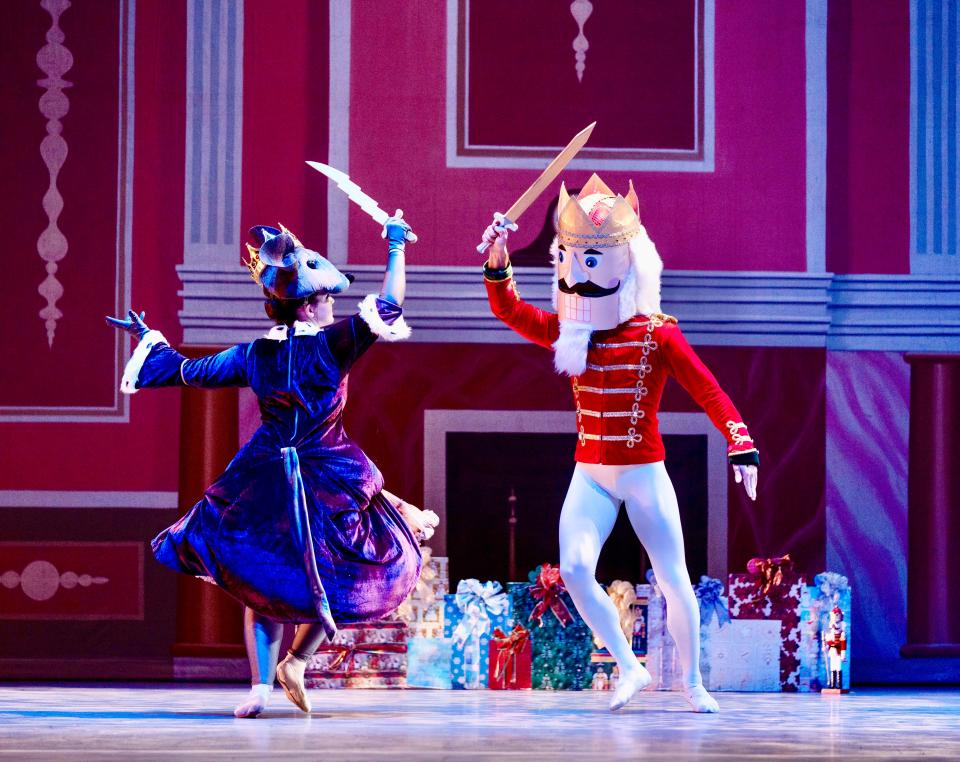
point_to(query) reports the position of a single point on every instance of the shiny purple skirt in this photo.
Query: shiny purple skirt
(293, 535)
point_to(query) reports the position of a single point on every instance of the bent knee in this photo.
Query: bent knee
(676, 584)
(576, 573)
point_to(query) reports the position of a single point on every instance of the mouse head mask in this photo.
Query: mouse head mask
(287, 269)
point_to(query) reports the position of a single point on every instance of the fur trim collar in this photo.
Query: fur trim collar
(279, 332)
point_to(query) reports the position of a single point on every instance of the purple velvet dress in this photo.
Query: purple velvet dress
(296, 528)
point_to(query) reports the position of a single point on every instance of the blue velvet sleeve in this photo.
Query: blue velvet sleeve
(350, 338)
(165, 366)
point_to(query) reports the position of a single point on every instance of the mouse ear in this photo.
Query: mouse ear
(261, 233)
(276, 246)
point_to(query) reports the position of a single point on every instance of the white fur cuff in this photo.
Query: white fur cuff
(131, 373)
(369, 314)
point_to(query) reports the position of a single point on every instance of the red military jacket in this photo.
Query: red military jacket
(618, 395)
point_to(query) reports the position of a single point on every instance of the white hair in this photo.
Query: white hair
(640, 292)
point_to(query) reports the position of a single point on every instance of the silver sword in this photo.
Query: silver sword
(357, 196)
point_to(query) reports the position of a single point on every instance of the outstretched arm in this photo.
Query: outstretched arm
(397, 232)
(379, 316)
(531, 322)
(155, 363)
(701, 384)
(421, 522)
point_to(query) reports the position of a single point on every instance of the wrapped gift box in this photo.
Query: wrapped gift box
(510, 660)
(661, 659)
(641, 621)
(743, 655)
(561, 641)
(423, 608)
(816, 601)
(635, 629)
(781, 601)
(735, 655)
(469, 619)
(368, 655)
(428, 662)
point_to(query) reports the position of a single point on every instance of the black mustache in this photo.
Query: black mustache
(587, 288)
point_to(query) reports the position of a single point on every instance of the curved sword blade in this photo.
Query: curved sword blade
(357, 196)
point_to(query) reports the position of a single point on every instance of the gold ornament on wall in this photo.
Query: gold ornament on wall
(54, 60)
(581, 10)
(40, 580)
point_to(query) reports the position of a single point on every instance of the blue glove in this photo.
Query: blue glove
(134, 326)
(398, 232)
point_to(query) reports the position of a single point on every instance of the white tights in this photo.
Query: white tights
(589, 513)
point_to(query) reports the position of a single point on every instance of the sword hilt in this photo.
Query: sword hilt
(499, 220)
(408, 236)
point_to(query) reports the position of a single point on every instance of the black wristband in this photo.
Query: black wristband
(497, 273)
(751, 458)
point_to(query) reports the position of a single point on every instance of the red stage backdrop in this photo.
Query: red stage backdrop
(118, 106)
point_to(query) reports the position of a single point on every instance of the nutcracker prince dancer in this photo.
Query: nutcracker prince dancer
(617, 347)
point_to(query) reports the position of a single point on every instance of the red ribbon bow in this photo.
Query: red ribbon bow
(547, 591)
(346, 652)
(508, 649)
(770, 574)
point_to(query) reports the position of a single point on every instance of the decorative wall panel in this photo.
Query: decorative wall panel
(934, 136)
(68, 154)
(71, 580)
(525, 77)
(868, 421)
(214, 133)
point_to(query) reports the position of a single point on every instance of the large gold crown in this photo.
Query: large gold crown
(576, 228)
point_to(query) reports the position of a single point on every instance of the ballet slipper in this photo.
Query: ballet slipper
(629, 684)
(256, 702)
(290, 674)
(700, 701)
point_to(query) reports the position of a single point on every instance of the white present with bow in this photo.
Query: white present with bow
(470, 617)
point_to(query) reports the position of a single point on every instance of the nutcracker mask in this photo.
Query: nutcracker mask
(288, 270)
(607, 268)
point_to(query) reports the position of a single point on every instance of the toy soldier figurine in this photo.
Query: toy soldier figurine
(835, 644)
(600, 681)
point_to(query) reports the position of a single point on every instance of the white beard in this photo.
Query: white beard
(570, 350)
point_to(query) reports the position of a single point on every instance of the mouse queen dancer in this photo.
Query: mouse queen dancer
(299, 528)
(611, 338)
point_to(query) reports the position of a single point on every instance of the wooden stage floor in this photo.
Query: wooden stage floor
(176, 721)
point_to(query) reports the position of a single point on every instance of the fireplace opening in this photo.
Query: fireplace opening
(483, 467)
